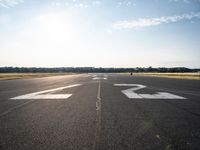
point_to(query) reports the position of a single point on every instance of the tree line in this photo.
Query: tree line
(92, 70)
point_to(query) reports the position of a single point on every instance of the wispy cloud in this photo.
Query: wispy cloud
(184, 1)
(125, 3)
(76, 3)
(9, 3)
(96, 2)
(146, 22)
(81, 5)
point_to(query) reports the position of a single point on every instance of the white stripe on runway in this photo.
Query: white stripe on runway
(41, 95)
(131, 93)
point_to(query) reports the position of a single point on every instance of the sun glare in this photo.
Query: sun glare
(56, 26)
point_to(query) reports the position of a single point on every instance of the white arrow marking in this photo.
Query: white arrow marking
(130, 93)
(41, 95)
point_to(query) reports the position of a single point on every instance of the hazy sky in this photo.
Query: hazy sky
(100, 33)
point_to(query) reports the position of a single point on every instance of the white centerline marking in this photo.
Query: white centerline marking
(98, 117)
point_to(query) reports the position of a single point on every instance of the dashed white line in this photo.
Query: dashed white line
(98, 117)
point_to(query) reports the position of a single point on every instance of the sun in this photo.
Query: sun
(56, 26)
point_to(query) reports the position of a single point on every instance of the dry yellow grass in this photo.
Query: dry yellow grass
(190, 76)
(11, 76)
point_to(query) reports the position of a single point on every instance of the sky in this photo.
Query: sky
(100, 33)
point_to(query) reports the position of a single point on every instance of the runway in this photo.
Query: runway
(99, 111)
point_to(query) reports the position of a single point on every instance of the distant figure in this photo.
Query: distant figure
(131, 73)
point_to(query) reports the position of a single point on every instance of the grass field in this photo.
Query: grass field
(190, 76)
(11, 76)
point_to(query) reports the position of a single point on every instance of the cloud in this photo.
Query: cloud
(75, 3)
(96, 2)
(55, 3)
(9, 3)
(184, 1)
(125, 3)
(81, 5)
(146, 22)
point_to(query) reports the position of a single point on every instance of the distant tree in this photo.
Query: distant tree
(92, 69)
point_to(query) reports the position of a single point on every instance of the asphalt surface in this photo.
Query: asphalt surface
(99, 115)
